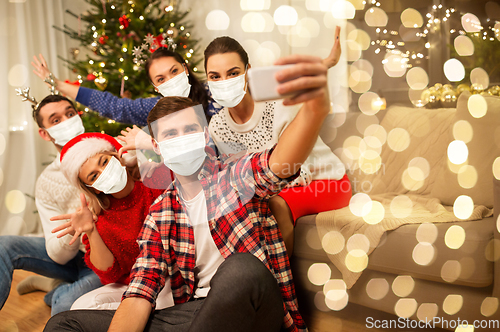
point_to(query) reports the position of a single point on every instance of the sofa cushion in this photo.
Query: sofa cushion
(473, 177)
(469, 265)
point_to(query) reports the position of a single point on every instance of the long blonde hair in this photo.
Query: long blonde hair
(99, 202)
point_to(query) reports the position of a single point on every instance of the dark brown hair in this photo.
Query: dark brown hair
(198, 92)
(225, 44)
(169, 105)
(47, 100)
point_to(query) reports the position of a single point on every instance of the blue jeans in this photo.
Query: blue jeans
(29, 253)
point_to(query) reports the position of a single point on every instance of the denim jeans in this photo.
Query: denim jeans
(29, 253)
(244, 296)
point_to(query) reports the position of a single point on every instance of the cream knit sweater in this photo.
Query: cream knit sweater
(54, 196)
(263, 130)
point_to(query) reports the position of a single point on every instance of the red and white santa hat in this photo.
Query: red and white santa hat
(77, 151)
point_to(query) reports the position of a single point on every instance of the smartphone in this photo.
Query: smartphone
(263, 84)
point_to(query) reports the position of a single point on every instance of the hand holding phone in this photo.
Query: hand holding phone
(263, 84)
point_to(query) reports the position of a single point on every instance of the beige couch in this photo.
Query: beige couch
(459, 281)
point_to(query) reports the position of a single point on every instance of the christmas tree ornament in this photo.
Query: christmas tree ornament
(461, 88)
(91, 77)
(449, 98)
(74, 51)
(476, 88)
(101, 82)
(103, 39)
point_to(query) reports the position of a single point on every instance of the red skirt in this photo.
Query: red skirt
(318, 196)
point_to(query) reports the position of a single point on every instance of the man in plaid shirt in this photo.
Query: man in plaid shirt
(212, 230)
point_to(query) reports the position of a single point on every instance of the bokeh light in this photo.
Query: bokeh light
(254, 5)
(358, 242)
(361, 37)
(455, 168)
(464, 46)
(353, 50)
(467, 176)
(217, 20)
(359, 80)
(376, 17)
(453, 303)
(377, 131)
(496, 169)
(337, 305)
(285, 16)
(408, 181)
(370, 162)
(313, 5)
(489, 306)
(356, 260)
(465, 328)
(360, 204)
(18, 75)
(463, 207)
(367, 103)
(394, 65)
(462, 131)
(411, 18)
(15, 201)
(454, 70)
(312, 239)
(419, 168)
(451, 270)
(398, 139)
(477, 105)
(401, 206)
(427, 232)
(471, 23)
(319, 302)
(416, 97)
(405, 308)
(457, 152)
(377, 288)
(427, 311)
(376, 214)
(468, 267)
(417, 78)
(454, 237)
(424, 253)
(402, 286)
(257, 22)
(479, 78)
(333, 242)
(319, 273)
(343, 10)
(335, 289)
(492, 250)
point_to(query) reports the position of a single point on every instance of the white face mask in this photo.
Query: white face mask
(63, 132)
(228, 93)
(185, 154)
(113, 179)
(177, 86)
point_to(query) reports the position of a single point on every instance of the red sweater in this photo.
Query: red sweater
(119, 226)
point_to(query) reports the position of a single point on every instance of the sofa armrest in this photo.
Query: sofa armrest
(496, 208)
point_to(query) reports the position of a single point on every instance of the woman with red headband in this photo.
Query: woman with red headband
(114, 205)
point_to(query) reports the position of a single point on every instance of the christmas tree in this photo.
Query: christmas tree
(120, 35)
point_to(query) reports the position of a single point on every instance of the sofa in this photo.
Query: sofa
(458, 276)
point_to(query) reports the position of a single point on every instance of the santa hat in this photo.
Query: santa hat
(77, 151)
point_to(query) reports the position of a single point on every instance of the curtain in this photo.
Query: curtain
(25, 30)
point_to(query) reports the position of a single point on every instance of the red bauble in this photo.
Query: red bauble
(103, 39)
(125, 21)
(91, 77)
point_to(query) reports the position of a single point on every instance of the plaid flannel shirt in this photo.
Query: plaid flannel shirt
(239, 219)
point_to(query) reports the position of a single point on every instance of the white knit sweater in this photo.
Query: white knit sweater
(263, 130)
(54, 196)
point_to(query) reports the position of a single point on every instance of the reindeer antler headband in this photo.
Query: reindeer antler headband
(151, 44)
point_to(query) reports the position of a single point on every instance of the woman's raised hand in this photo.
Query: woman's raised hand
(81, 221)
(41, 70)
(134, 138)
